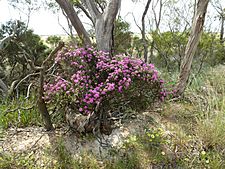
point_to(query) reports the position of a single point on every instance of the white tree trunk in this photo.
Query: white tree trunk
(103, 34)
(103, 22)
(196, 30)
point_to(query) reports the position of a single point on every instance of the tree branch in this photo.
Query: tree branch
(144, 41)
(32, 74)
(75, 20)
(85, 12)
(60, 46)
(135, 21)
(111, 10)
(92, 8)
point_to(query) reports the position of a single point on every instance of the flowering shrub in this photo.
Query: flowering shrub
(88, 78)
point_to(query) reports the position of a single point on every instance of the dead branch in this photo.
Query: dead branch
(28, 90)
(32, 74)
(50, 56)
(18, 108)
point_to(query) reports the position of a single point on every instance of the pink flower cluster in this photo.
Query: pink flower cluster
(58, 85)
(92, 76)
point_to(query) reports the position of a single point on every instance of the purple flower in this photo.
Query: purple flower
(120, 88)
(91, 76)
(96, 95)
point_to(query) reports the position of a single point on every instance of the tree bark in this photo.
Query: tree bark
(194, 38)
(42, 105)
(144, 41)
(75, 21)
(41, 102)
(222, 28)
(103, 34)
(103, 22)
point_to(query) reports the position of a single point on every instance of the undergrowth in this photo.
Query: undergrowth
(19, 112)
(191, 134)
(198, 121)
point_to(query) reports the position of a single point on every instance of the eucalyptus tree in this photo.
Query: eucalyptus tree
(191, 47)
(102, 17)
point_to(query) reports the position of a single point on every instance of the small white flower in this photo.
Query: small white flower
(203, 152)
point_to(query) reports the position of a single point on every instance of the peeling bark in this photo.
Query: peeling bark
(192, 44)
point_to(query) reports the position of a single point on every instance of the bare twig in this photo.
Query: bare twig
(28, 90)
(35, 143)
(136, 22)
(50, 56)
(32, 74)
(85, 12)
(16, 109)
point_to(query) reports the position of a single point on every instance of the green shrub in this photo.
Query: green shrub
(19, 113)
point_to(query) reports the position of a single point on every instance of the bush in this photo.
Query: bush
(19, 113)
(87, 79)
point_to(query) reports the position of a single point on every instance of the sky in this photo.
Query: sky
(45, 22)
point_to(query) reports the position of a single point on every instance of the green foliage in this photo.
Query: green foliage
(136, 47)
(155, 137)
(87, 161)
(122, 36)
(24, 44)
(143, 150)
(211, 131)
(17, 161)
(53, 40)
(24, 41)
(170, 47)
(19, 113)
(192, 135)
(198, 121)
(130, 161)
(64, 159)
(210, 49)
